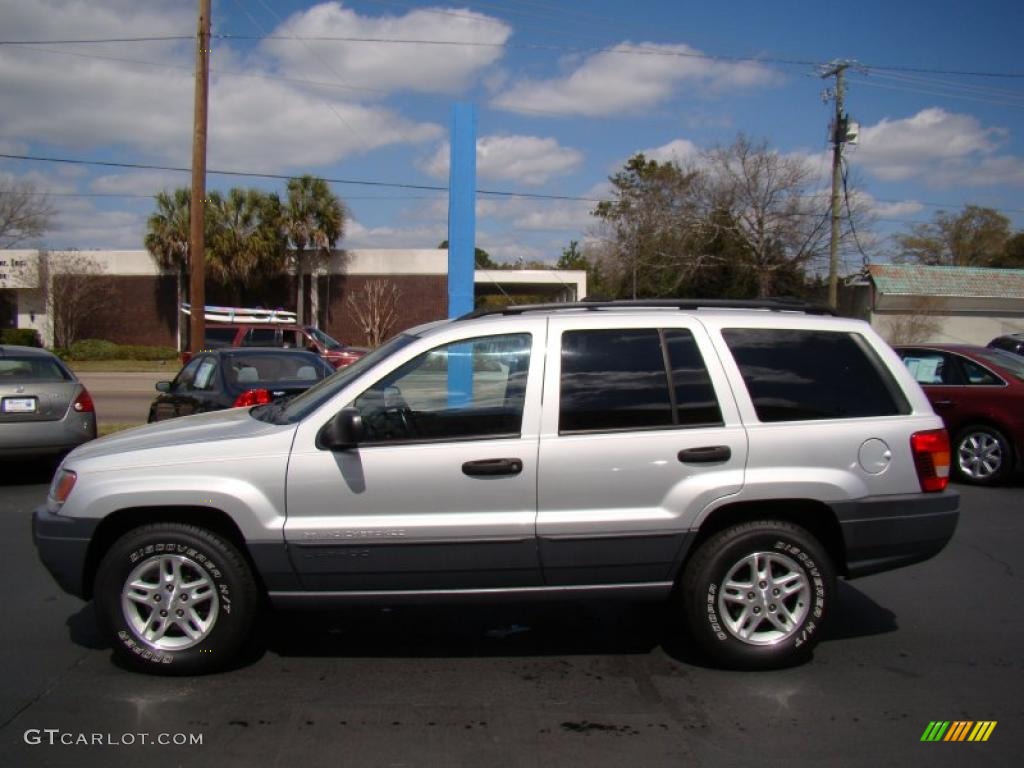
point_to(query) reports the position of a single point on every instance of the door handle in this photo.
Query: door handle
(944, 403)
(492, 467)
(706, 455)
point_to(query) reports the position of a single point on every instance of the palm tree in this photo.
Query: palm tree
(247, 242)
(313, 218)
(167, 240)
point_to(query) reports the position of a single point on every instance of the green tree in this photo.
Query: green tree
(974, 237)
(572, 257)
(247, 241)
(650, 228)
(1012, 256)
(481, 258)
(167, 240)
(313, 218)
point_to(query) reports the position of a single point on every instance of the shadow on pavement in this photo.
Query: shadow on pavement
(460, 631)
(454, 631)
(857, 615)
(27, 471)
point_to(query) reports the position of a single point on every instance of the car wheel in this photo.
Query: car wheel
(754, 595)
(175, 599)
(983, 455)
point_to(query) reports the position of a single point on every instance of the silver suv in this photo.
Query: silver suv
(732, 459)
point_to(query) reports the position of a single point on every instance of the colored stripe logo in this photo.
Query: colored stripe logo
(959, 730)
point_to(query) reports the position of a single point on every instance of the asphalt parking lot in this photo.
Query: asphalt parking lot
(586, 685)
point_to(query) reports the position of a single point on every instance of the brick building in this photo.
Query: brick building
(141, 300)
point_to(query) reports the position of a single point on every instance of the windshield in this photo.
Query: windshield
(1008, 361)
(324, 339)
(299, 407)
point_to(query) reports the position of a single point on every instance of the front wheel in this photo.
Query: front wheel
(175, 599)
(755, 595)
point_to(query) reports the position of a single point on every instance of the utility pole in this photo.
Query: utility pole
(836, 69)
(197, 212)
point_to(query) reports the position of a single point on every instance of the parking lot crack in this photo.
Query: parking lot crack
(989, 556)
(45, 692)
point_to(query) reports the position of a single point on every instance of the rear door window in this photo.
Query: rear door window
(220, 337)
(262, 337)
(633, 378)
(801, 375)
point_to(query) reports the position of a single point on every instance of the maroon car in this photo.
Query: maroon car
(979, 392)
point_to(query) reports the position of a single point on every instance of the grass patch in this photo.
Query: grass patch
(102, 430)
(170, 367)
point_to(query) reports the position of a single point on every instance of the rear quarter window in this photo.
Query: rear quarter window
(801, 375)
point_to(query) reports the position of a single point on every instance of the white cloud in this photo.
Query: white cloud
(81, 225)
(614, 81)
(679, 151)
(139, 183)
(938, 147)
(529, 160)
(895, 209)
(84, 103)
(279, 127)
(391, 66)
(426, 235)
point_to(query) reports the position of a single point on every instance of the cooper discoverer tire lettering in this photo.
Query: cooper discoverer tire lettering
(175, 599)
(755, 595)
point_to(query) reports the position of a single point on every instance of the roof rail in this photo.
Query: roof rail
(773, 305)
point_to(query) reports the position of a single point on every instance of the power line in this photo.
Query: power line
(217, 70)
(615, 50)
(150, 39)
(281, 176)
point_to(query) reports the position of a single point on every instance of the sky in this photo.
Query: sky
(565, 92)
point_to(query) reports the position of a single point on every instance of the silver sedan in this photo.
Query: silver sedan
(44, 409)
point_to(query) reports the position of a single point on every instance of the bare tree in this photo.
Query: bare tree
(769, 208)
(73, 291)
(918, 324)
(375, 308)
(24, 213)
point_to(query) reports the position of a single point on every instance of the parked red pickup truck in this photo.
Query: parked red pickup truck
(279, 335)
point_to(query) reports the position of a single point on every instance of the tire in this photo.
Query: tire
(743, 622)
(982, 455)
(200, 582)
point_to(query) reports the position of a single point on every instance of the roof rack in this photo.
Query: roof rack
(773, 305)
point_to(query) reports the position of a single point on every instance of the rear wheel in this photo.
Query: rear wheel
(983, 455)
(754, 595)
(175, 599)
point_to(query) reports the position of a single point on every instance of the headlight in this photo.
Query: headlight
(61, 487)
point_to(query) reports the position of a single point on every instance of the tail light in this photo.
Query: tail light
(931, 459)
(83, 403)
(253, 397)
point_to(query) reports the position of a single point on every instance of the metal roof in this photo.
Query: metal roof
(961, 282)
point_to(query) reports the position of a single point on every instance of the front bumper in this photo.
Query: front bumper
(886, 532)
(63, 544)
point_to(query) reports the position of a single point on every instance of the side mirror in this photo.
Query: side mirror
(163, 386)
(343, 432)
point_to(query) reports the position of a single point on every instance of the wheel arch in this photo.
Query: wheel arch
(118, 523)
(816, 517)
